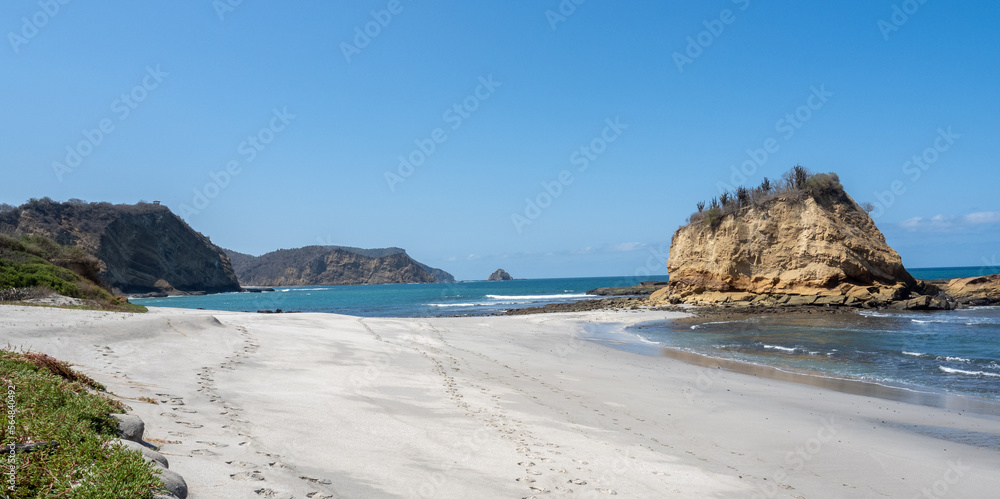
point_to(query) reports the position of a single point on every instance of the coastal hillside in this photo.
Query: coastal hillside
(332, 265)
(142, 248)
(36, 270)
(802, 240)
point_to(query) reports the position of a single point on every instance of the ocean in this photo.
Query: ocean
(955, 352)
(406, 300)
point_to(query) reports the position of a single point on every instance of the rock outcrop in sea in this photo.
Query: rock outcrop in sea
(500, 275)
(805, 243)
(333, 265)
(983, 290)
(142, 248)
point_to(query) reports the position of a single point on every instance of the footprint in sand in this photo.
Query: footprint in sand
(321, 481)
(242, 464)
(577, 481)
(532, 472)
(203, 452)
(185, 410)
(179, 434)
(273, 494)
(607, 491)
(525, 479)
(538, 490)
(248, 475)
(189, 424)
(213, 444)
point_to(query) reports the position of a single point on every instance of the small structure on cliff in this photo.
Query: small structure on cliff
(801, 241)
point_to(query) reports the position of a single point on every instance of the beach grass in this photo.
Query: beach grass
(64, 419)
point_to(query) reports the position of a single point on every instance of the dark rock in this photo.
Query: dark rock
(130, 427)
(796, 300)
(919, 303)
(174, 483)
(653, 284)
(830, 300)
(147, 453)
(500, 275)
(581, 306)
(623, 291)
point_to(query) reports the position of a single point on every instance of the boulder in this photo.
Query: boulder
(174, 483)
(798, 300)
(147, 453)
(830, 300)
(130, 427)
(500, 275)
(983, 290)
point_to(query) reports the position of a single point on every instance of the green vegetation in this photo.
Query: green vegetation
(53, 403)
(33, 266)
(796, 184)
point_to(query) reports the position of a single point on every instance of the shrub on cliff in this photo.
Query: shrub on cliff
(32, 265)
(797, 184)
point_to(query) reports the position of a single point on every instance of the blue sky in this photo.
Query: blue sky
(545, 137)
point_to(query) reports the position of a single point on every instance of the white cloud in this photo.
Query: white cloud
(950, 223)
(623, 247)
(982, 217)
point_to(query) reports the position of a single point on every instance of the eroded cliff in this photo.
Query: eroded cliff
(809, 243)
(142, 248)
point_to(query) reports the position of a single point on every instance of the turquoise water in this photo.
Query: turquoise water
(952, 272)
(954, 351)
(405, 300)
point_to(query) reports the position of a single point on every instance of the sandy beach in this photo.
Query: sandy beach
(322, 405)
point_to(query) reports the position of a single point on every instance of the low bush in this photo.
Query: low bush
(52, 406)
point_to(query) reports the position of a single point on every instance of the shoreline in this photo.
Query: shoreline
(618, 337)
(272, 405)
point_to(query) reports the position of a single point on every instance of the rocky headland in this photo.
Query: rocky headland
(331, 266)
(803, 242)
(142, 248)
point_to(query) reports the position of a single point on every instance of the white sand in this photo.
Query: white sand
(316, 405)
